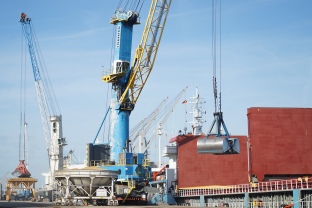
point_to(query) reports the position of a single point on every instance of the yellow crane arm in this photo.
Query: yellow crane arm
(146, 52)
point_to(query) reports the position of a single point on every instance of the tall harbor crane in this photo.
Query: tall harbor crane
(127, 84)
(128, 81)
(50, 115)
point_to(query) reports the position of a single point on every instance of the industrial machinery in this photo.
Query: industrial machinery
(159, 116)
(2, 179)
(127, 83)
(164, 180)
(138, 133)
(50, 116)
(217, 141)
(67, 185)
(166, 115)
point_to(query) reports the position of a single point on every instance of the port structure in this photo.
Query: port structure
(26, 184)
(276, 193)
(50, 116)
(127, 82)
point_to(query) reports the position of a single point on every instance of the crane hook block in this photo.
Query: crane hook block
(218, 146)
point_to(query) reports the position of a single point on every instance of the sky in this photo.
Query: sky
(265, 56)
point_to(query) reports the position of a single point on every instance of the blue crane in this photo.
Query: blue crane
(50, 116)
(128, 81)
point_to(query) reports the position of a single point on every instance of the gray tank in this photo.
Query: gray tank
(86, 183)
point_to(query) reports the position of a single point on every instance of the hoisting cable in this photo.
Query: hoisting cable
(141, 6)
(126, 5)
(53, 104)
(119, 4)
(217, 105)
(22, 133)
(220, 62)
(214, 79)
(132, 5)
(21, 100)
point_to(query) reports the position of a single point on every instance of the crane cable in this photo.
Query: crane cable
(220, 62)
(23, 149)
(119, 4)
(214, 55)
(22, 97)
(132, 4)
(51, 98)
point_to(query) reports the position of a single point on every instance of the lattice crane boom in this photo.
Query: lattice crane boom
(147, 50)
(175, 101)
(146, 124)
(51, 120)
(41, 94)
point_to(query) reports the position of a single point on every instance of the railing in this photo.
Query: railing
(280, 185)
(273, 204)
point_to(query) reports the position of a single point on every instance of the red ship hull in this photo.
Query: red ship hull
(277, 148)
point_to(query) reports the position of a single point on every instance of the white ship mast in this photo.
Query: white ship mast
(197, 113)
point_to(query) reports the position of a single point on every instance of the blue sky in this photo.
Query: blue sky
(266, 61)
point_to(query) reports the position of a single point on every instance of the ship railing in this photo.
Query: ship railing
(272, 204)
(278, 185)
(96, 163)
(305, 203)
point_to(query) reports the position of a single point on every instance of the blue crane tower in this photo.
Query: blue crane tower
(128, 80)
(120, 112)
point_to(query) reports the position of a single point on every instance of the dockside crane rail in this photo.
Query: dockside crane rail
(146, 52)
(49, 110)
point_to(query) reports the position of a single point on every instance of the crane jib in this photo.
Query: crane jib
(27, 29)
(49, 111)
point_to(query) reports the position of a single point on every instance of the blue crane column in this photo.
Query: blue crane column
(119, 132)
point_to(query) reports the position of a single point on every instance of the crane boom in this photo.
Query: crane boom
(165, 118)
(43, 105)
(146, 124)
(147, 50)
(146, 120)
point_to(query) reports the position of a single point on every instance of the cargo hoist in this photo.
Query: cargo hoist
(127, 81)
(50, 116)
(218, 140)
